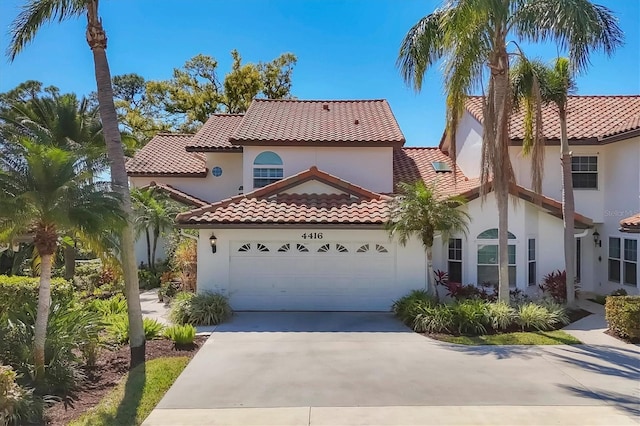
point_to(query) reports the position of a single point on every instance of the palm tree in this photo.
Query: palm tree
(471, 37)
(420, 211)
(45, 190)
(533, 83)
(153, 216)
(34, 14)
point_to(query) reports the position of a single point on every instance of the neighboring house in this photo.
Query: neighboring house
(298, 194)
(604, 135)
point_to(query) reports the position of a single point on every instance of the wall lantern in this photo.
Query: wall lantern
(596, 239)
(213, 241)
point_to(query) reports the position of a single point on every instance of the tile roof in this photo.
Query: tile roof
(413, 164)
(269, 206)
(588, 117)
(300, 122)
(177, 195)
(214, 134)
(630, 224)
(165, 155)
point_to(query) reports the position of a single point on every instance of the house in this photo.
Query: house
(291, 198)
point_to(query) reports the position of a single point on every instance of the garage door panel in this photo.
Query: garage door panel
(329, 276)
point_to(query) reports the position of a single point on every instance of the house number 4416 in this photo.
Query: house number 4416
(312, 236)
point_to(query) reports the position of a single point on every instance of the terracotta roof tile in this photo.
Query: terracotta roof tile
(165, 155)
(588, 117)
(269, 205)
(177, 195)
(630, 224)
(214, 134)
(413, 164)
(317, 122)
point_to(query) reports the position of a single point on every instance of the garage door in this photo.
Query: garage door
(319, 276)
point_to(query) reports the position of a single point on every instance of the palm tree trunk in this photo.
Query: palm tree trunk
(146, 235)
(69, 261)
(430, 287)
(156, 235)
(97, 40)
(568, 208)
(42, 317)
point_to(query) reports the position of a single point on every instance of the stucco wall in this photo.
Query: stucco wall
(369, 167)
(469, 145)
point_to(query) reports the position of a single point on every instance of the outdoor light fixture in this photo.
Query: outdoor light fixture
(213, 241)
(596, 239)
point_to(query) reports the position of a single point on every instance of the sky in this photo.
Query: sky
(346, 49)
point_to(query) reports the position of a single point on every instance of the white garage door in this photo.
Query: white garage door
(318, 276)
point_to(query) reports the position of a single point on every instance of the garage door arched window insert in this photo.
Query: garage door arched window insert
(363, 248)
(381, 249)
(245, 248)
(302, 248)
(267, 169)
(284, 248)
(341, 249)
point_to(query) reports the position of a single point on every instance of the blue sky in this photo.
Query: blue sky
(346, 49)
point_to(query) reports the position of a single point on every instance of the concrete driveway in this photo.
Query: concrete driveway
(367, 368)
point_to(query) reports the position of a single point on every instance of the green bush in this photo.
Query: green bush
(408, 307)
(433, 319)
(17, 292)
(181, 334)
(118, 328)
(17, 404)
(500, 315)
(557, 311)
(97, 280)
(532, 315)
(115, 305)
(470, 316)
(205, 308)
(623, 316)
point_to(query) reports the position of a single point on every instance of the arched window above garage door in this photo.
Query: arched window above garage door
(267, 169)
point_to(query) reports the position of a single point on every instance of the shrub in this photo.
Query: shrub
(205, 308)
(96, 278)
(531, 315)
(500, 315)
(406, 308)
(433, 319)
(470, 317)
(623, 316)
(619, 292)
(118, 328)
(557, 311)
(149, 279)
(181, 334)
(18, 292)
(116, 305)
(555, 285)
(17, 405)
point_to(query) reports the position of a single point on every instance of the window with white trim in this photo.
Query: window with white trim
(614, 259)
(488, 268)
(531, 259)
(267, 169)
(584, 171)
(455, 260)
(630, 262)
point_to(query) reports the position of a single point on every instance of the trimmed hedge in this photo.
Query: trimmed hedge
(623, 316)
(18, 291)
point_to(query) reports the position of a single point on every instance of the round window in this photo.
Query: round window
(216, 171)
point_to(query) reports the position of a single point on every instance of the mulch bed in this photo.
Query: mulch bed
(110, 368)
(623, 339)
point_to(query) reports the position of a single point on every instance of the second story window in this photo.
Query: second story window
(585, 172)
(267, 169)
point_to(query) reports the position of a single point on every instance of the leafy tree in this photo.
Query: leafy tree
(44, 191)
(420, 211)
(195, 91)
(154, 215)
(34, 14)
(534, 83)
(471, 37)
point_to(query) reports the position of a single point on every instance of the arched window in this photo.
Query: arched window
(267, 169)
(488, 258)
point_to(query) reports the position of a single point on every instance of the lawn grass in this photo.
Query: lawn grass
(556, 337)
(136, 395)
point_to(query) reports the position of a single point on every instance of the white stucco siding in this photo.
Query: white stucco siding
(209, 188)
(469, 145)
(313, 187)
(140, 249)
(313, 280)
(369, 167)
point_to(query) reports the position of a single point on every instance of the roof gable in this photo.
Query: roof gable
(317, 122)
(590, 119)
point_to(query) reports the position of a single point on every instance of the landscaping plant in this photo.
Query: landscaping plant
(206, 308)
(500, 315)
(531, 315)
(181, 335)
(470, 316)
(406, 308)
(554, 284)
(433, 319)
(118, 329)
(623, 316)
(17, 404)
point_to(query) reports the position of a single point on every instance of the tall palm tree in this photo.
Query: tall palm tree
(534, 82)
(420, 211)
(471, 37)
(36, 13)
(153, 216)
(45, 190)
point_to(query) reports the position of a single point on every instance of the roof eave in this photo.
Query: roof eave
(245, 142)
(165, 174)
(280, 225)
(231, 149)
